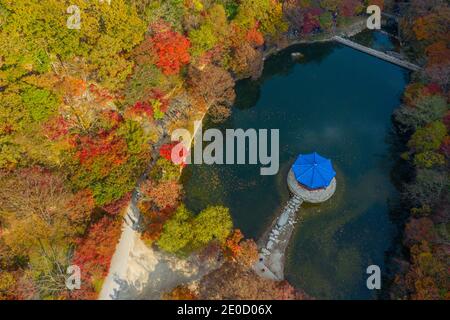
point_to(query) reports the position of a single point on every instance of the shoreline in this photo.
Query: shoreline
(349, 31)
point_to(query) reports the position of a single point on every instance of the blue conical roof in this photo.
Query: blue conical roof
(313, 171)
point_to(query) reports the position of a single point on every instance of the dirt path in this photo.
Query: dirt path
(151, 273)
(119, 261)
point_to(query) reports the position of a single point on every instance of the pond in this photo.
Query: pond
(338, 102)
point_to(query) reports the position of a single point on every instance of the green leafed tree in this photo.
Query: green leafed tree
(211, 32)
(269, 13)
(428, 187)
(326, 21)
(40, 103)
(330, 5)
(213, 223)
(428, 138)
(426, 109)
(177, 232)
(185, 232)
(429, 159)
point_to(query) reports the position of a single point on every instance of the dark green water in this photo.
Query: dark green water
(337, 102)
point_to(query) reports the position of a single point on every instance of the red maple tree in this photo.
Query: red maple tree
(103, 144)
(146, 107)
(171, 48)
(311, 20)
(56, 128)
(94, 253)
(166, 152)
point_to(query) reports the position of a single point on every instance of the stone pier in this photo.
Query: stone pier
(274, 242)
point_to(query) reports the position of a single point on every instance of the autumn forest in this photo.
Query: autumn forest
(86, 113)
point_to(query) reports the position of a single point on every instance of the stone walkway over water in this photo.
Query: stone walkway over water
(274, 242)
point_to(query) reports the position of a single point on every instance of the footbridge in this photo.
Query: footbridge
(378, 54)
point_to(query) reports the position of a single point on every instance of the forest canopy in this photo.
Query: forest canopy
(85, 113)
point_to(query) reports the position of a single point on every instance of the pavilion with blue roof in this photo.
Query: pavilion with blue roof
(312, 177)
(313, 171)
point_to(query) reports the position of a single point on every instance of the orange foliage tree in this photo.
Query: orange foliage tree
(438, 53)
(255, 37)
(243, 252)
(163, 194)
